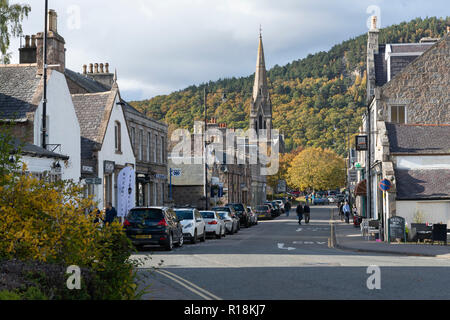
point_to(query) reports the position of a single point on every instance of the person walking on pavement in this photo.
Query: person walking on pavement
(110, 213)
(300, 213)
(307, 211)
(346, 210)
(288, 208)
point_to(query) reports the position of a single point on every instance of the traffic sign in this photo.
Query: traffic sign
(385, 185)
(176, 172)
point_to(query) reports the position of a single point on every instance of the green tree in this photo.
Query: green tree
(11, 17)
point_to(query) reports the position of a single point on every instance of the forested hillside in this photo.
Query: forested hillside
(316, 100)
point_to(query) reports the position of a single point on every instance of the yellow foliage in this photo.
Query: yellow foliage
(317, 169)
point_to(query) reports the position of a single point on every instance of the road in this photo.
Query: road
(281, 260)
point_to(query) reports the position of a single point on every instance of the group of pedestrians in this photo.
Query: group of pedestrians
(110, 214)
(303, 211)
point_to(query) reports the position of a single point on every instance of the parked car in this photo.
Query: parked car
(281, 204)
(194, 227)
(214, 225)
(264, 212)
(253, 216)
(320, 201)
(278, 210)
(241, 212)
(273, 210)
(154, 226)
(340, 197)
(232, 213)
(231, 224)
(332, 199)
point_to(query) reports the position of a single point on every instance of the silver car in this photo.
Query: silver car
(231, 225)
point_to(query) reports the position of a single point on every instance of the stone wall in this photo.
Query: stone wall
(423, 87)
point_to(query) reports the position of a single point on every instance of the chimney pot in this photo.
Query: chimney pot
(101, 68)
(27, 41)
(52, 21)
(374, 22)
(96, 68)
(91, 68)
(84, 69)
(33, 41)
(107, 67)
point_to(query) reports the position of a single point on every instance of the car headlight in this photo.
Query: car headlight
(188, 226)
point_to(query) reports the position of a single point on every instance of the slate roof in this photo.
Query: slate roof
(398, 63)
(93, 111)
(89, 84)
(423, 184)
(419, 139)
(36, 151)
(18, 87)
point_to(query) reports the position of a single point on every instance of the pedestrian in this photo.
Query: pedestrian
(97, 215)
(288, 208)
(307, 211)
(110, 213)
(300, 213)
(346, 210)
(306, 198)
(341, 211)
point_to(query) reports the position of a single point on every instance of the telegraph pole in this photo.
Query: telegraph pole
(206, 146)
(44, 102)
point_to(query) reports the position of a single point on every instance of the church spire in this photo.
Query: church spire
(260, 86)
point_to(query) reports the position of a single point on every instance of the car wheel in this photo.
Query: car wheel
(180, 242)
(224, 234)
(169, 246)
(194, 239)
(218, 236)
(203, 239)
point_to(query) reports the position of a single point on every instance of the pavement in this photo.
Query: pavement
(348, 237)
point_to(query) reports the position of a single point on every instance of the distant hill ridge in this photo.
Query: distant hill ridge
(316, 100)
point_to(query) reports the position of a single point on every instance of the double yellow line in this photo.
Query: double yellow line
(188, 285)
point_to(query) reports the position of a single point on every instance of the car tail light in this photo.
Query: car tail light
(213, 222)
(163, 223)
(126, 223)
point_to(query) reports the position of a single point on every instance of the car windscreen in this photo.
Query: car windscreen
(223, 215)
(145, 215)
(262, 208)
(222, 209)
(185, 214)
(208, 215)
(238, 207)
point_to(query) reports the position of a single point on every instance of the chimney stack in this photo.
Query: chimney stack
(27, 54)
(56, 51)
(100, 73)
(372, 50)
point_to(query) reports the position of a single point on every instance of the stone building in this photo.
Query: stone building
(21, 101)
(408, 113)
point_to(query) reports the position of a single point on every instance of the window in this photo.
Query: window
(155, 148)
(260, 122)
(149, 146)
(117, 136)
(141, 145)
(133, 136)
(161, 155)
(398, 114)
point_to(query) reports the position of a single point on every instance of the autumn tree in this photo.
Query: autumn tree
(11, 17)
(317, 169)
(285, 163)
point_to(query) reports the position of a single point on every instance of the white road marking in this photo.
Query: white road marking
(189, 285)
(281, 246)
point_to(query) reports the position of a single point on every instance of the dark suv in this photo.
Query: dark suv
(242, 213)
(153, 226)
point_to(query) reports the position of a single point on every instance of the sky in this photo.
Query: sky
(161, 46)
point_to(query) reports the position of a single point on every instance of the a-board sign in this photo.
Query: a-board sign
(397, 228)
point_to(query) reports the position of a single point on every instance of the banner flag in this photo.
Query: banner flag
(126, 186)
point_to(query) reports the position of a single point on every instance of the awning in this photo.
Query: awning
(361, 188)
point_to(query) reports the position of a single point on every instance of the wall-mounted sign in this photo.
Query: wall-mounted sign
(96, 181)
(362, 143)
(87, 169)
(161, 176)
(176, 172)
(353, 175)
(109, 167)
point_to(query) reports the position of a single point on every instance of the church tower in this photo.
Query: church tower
(261, 106)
